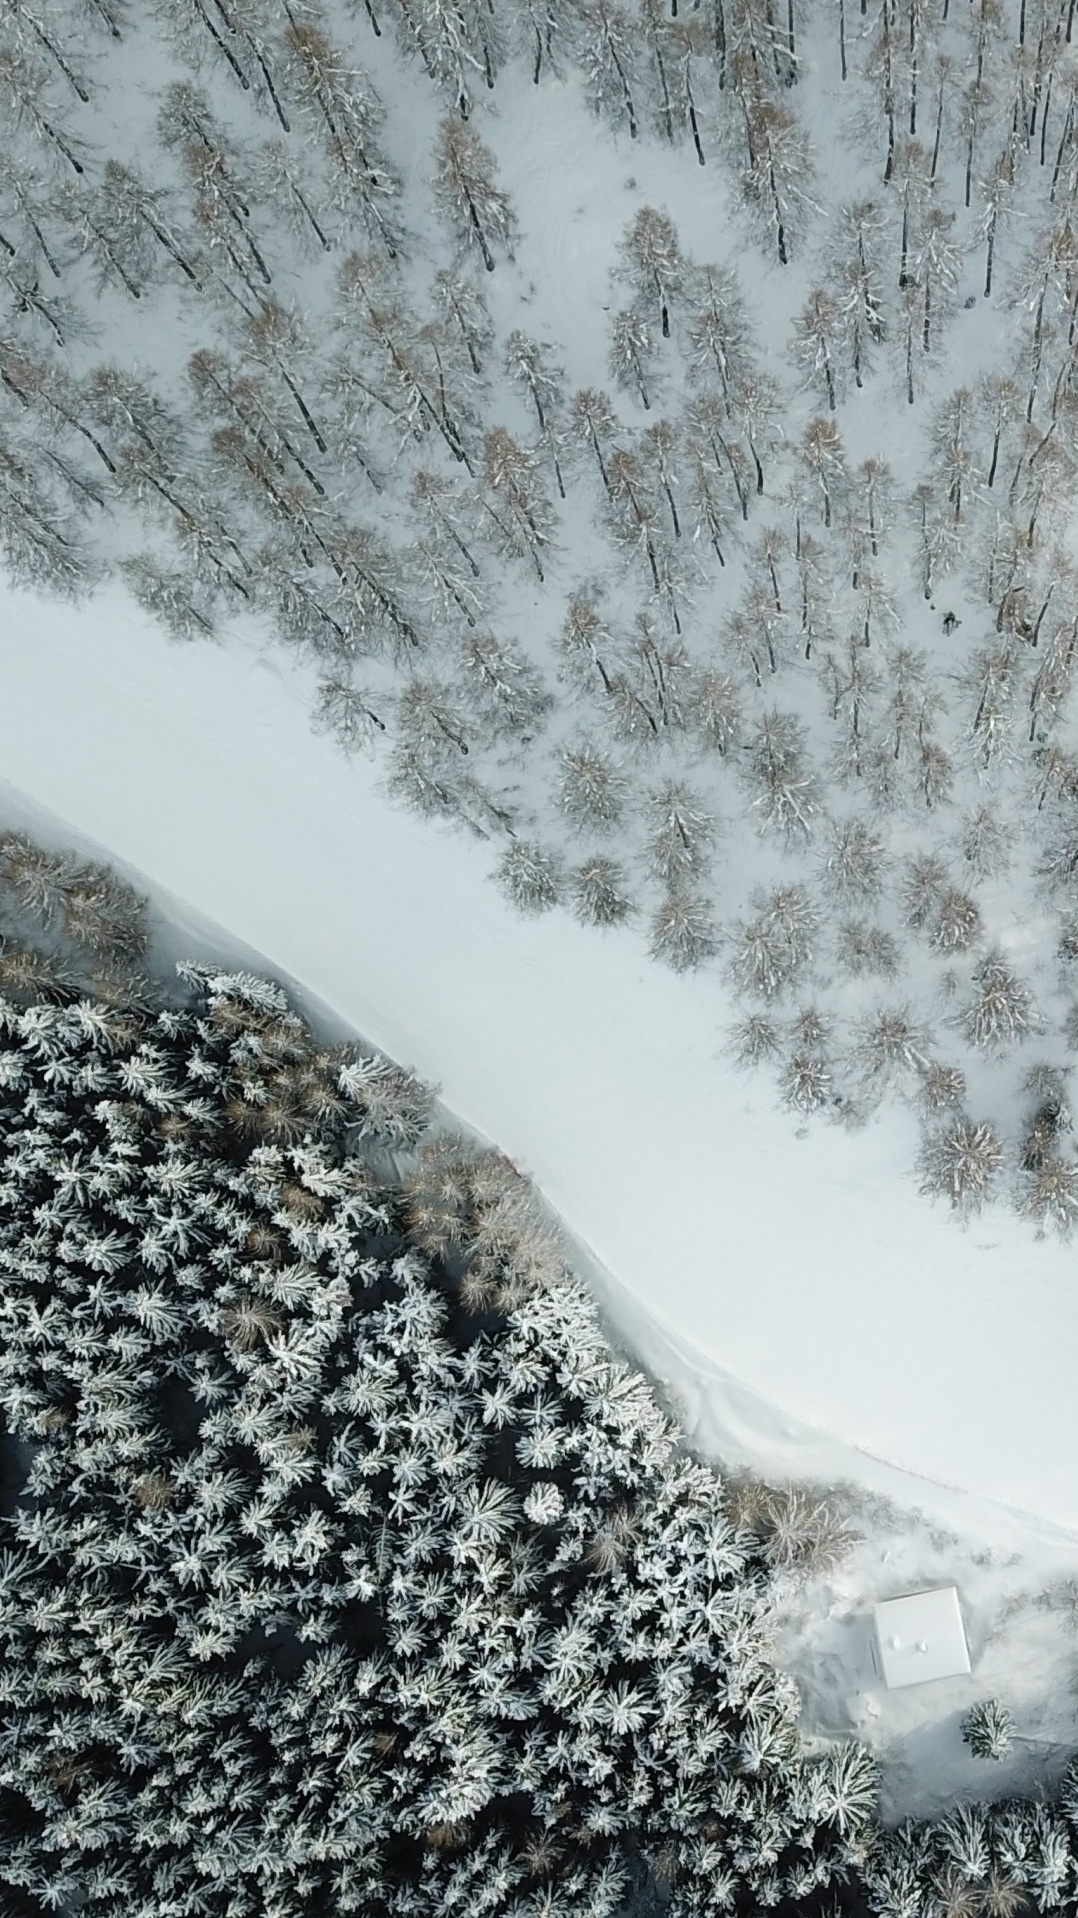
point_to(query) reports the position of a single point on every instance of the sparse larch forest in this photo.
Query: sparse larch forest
(781, 533)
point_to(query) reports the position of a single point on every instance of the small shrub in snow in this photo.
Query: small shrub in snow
(683, 932)
(962, 1161)
(598, 892)
(530, 876)
(1001, 1012)
(988, 1729)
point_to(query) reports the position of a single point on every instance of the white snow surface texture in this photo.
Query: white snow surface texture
(799, 1261)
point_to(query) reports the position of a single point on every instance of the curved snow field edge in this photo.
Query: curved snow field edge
(801, 1264)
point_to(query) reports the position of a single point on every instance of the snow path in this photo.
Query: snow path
(804, 1266)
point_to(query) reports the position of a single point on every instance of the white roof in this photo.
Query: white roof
(921, 1637)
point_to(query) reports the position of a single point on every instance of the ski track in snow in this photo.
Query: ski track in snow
(751, 1265)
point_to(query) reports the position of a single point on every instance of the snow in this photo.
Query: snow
(752, 1266)
(920, 1638)
(776, 1256)
(806, 1313)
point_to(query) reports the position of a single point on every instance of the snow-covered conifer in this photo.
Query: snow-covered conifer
(591, 788)
(503, 683)
(755, 1039)
(594, 423)
(530, 875)
(816, 341)
(770, 949)
(987, 847)
(1048, 1194)
(824, 457)
(891, 1041)
(864, 949)
(988, 1729)
(632, 354)
(347, 714)
(605, 45)
(778, 178)
(956, 921)
(342, 109)
(599, 893)
(806, 1081)
(717, 333)
(942, 1087)
(681, 833)
(468, 194)
(461, 301)
(683, 933)
(1002, 1010)
(961, 1160)
(652, 264)
(716, 710)
(519, 516)
(530, 367)
(786, 791)
(854, 866)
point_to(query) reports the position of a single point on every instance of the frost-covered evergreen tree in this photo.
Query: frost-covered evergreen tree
(988, 1729)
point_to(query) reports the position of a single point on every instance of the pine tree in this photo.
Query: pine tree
(988, 1729)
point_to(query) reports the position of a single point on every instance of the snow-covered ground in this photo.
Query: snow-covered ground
(751, 1266)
